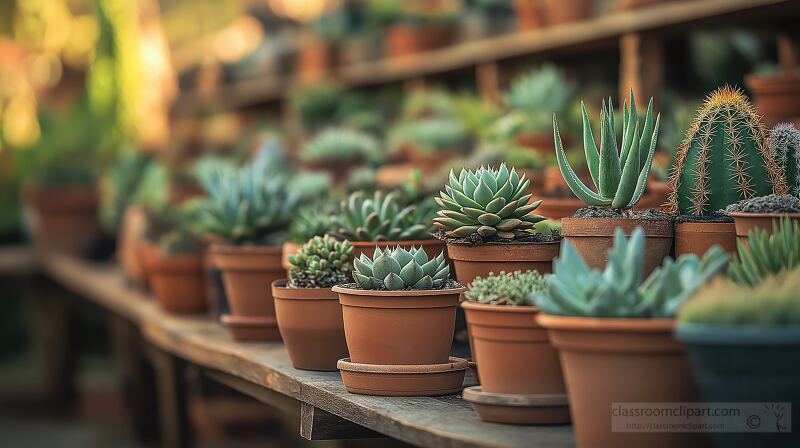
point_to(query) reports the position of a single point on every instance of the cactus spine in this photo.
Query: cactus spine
(724, 157)
(784, 140)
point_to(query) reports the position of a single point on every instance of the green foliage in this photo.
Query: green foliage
(618, 291)
(538, 95)
(398, 269)
(381, 217)
(523, 158)
(619, 176)
(486, 202)
(764, 255)
(172, 229)
(475, 115)
(179, 242)
(429, 135)
(321, 263)
(514, 288)
(784, 142)
(310, 221)
(340, 144)
(120, 185)
(309, 186)
(317, 105)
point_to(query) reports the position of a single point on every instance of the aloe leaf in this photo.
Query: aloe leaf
(573, 182)
(648, 164)
(609, 160)
(590, 148)
(627, 183)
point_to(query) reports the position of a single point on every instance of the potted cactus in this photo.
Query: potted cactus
(613, 331)
(514, 356)
(308, 312)
(309, 221)
(339, 150)
(247, 214)
(723, 159)
(620, 177)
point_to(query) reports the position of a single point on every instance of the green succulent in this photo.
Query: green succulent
(539, 94)
(487, 202)
(179, 242)
(784, 141)
(318, 105)
(310, 185)
(340, 144)
(310, 221)
(619, 176)
(430, 135)
(398, 269)
(618, 291)
(514, 288)
(321, 263)
(764, 255)
(380, 217)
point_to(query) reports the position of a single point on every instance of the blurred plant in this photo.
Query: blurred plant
(784, 141)
(362, 179)
(723, 57)
(429, 135)
(152, 191)
(340, 22)
(310, 186)
(398, 269)
(317, 105)
(475, 115)
(341, 145)
(538, 95)
(378, 218)
(322, 262)
(513, 288)
(523, 159)
(172, 229)
(120, 185)
(425, 103)
(763, 255)
(310, 221)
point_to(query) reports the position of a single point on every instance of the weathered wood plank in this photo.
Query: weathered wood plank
(316, 424)
(17, 260)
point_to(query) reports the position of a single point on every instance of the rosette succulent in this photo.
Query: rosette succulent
(398, 269)
(321, 263)
(514, 288)
(486, 202)
(381, 217)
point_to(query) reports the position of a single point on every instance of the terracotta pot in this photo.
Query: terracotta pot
(288, 249)
(404, 380)
(542, 143)
(608, 361)
(558, 208)
(134, 222)
(592, 238)
(479, 260)
(529, 15)
(314, 59)
(404, 39)
(655, 196)
(745, 222)
(247, 273)
(147, 253)
(399, 327)
(310, 322)
(633, 4)
(565, 11)
(63, 219)
(178, 282)
(698, 237)
(777, 97)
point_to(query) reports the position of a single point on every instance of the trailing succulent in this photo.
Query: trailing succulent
(764, 255)
(381, 217)
(506, 288)
(321, 263)
(619, 175)
(618, 291)
(340, 144)
(398, 269)
(724, 158)
(784, 142)
(486, 202)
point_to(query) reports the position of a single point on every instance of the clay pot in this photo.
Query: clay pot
(698, 237)
(655, 196)
(777, 97)
(134, 222)
(314, 59)
(405, 39)
(745, 222)
(310, 322)
(633, 4)
(565, 11)
(542, 143)
(592, 238)
(178, 282)
(558, 208)
(146, 253)
(287, 250)
(399, 327)
(479, 260)
(63, 219)
(607, 361)
(404, 380)
(529, 15)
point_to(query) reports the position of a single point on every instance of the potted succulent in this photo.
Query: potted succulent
(318, 105)
(776, 90)
(430, 142)
(308, 312)
(764, 254)
(418, 28)
(486, 219)
(247, 214)
(339, 150)
(613, 331)
(513, 353)
(309, 221)
(620, 177)
(784, 141)
(711, 173)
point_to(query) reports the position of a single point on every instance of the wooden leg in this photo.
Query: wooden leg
(172, 406)
(641, 67)
(316, 424)
(488, 83)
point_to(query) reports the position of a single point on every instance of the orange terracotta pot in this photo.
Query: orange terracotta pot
(542, 143)
(63, 219)
(147, 253)
(558, 208)
(311, 325)
(777, 97)
(288, 249)
(529, 14)
(566, 11)
(633, 4)
(134, 223)
(608, 361)
(480, 259)
(399, 327)
(698, 237)
(404, 39)
(592, 238)
(745, 222)
(403, 380)
(178, 282)
(314, 59)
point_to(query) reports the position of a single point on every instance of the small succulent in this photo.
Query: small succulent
(764, 255)
(321, 263)
(310, 221)
(538, 94)
(784, 141)
(340, 144)
(618, 291)
(398, 269)
(430, 135)
(619, 175)
(487, 202)
(381, 217)
(514, 288)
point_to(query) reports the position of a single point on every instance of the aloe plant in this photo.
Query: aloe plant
(381, 217)
(506, 288)
(321, 263)
(399, 269)
(764, 255)
(619, 174)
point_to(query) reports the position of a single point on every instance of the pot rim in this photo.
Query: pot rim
(396, 243)
(512, 243)
(281, 285)
(606, 324)
(232, 320)
(701, 226)
(517, 309)
(454, 364)
(654, 228)
(399, 293)
(732, 334)
(763, 215)
(224, 248)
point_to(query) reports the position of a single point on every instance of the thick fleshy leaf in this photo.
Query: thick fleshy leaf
(411, 273)
(590, 147)
(648, 164)
(630, 174)
(394, 282)
(573, 182)
(483, 194)
(609, 160)
(508, 224)
(462, 232)
(425, 282)
(362, 268)
(385, 265)
(495, 205)
(486, 231)
(472, 212)
(489, 219)
(363, 281)
(402, 256)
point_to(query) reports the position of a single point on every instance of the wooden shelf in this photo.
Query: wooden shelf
(17, 260)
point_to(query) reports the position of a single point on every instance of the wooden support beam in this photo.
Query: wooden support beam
(641, 67)
(176, 431)
(316, 424)
(488, 83)
(267, 396)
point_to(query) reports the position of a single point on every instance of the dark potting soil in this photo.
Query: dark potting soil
(449, 284)
(650, 214)
(476, 239)
(715, 217)
(772, 203)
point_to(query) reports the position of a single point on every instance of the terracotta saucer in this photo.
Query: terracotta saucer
(251, 329)
(519, 409)
(403, 380)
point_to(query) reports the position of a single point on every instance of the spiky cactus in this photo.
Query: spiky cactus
(724, 157)
(784, 141)
(397, 269)
(321, 263)
(619, 175)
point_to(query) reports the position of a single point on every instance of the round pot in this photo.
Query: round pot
(311, 326)
(745, 222)
(542, 142)
(63, 219)
(403, 380)
(565, 11)
(513, 352)
(134, 222)
(633, 4)
(178, 282)
(399, 327)
(776, 97)
(404, 39)
(592, 238)
(608, 361)
(529, 14)
(698, 237)
(479, 260)
(287, 250)
(558, 208)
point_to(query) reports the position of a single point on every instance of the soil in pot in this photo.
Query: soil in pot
(478, 260)
(762, 213)
(311, 326)
(63, 219)
(566, 11)
(697, 234)
(178, 282)
(608, 361)
(404, 380)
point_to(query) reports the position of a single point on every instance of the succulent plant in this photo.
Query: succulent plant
(317, 105)
(381, 217)
(618, 291)
(537, 95)
(398, 269)
(619, 176)
(764, 255)
(179, 242)
(429, 134)
(506, 288)
(321, 263)
(340, 144)
(784, 142)
(487, 202)
(724, 157)
(310, 221)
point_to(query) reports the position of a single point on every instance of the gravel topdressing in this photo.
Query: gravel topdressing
(767, 204)
(649, 214)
